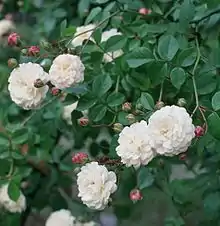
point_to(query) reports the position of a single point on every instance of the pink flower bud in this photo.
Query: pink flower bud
(135, 195)
(126, 106)
(13, 39)
(145, 11)
(79, 158)
(55, 91)
(199, 131)
(33, 51)
(84, 121)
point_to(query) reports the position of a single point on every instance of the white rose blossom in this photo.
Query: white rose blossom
(134, 145)
(21, 85)
(67, 111)
(10, 205)
(95, 185)
(67, 70)
(86, 34)
(171, 130)
(61, 218)
(110, 56)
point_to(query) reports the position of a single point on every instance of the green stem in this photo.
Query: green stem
(161, 92)
(193, 76)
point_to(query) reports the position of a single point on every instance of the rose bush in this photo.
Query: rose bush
(97, 116)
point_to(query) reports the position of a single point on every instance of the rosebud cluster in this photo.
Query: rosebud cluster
(80, 158)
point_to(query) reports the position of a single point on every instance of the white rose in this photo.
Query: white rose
(67, 70)
(110, 56)
(61, 218)
(10, 205)
(5, 27)
(21, 85)
(95, 185)
(86, 34)
(171, 130)
(134, 145)
(67, 111)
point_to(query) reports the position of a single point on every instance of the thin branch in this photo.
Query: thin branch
(211, 13)
(161, 92)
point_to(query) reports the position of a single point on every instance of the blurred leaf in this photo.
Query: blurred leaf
(4, 140)
(20, 136)
(97, 113)
(187, 57)
(144, 178)
(115, 99)
(214, 125)
(216, 101)
(93, 13)
(13, 191)
(147, 101)
(187, 12)
(115, 42)
(167, 47)
(178, 77)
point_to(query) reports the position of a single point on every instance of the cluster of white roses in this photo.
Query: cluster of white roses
(85, 32)
(7, 204)
(64, 218)
(66, 71)
(169, 132)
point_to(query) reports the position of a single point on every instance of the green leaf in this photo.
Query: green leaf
(100, 1)
(115, 43)
(20, 136)
(70, 99)
(187, 57)
(5, 155)
(97, 113)
(97, 35)
(214, 125)
(167, 47)
(147, 101)
(69, 31)
(4, 140)
(115, 99)
(13, 191)
(212, 204)
(93, 13)
(17, 155)
(187, 12)
(83, 7)
(63, 27)
(86, 102)
(178, 77)
(144, 178)
(139, 56)
(206, 83)
(216, 101)
(101, 85)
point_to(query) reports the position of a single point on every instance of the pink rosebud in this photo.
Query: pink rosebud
(13, 39)
(33, 51)
(55, 91)
(199, 131)
(135, 195)
(84, 121)
(145, 11)
(126, 106)
(79, 157)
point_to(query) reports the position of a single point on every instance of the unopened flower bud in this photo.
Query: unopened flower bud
(135, 195)
(181, 102)
(131, 118)
(84, 121)
(39, 83)
(55, 91)
(12, 63)
(159, 105)
(182, 157)
(13, 39)
(145, 11)
(76, 170)
(139, 106)
(80, 158)
(33, 51)
(126, 106)
(199, 131)
(118, 127)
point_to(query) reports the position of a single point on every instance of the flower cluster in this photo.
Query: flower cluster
(169, 132)
(10, 205)
(66, 71)
(64, 218)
